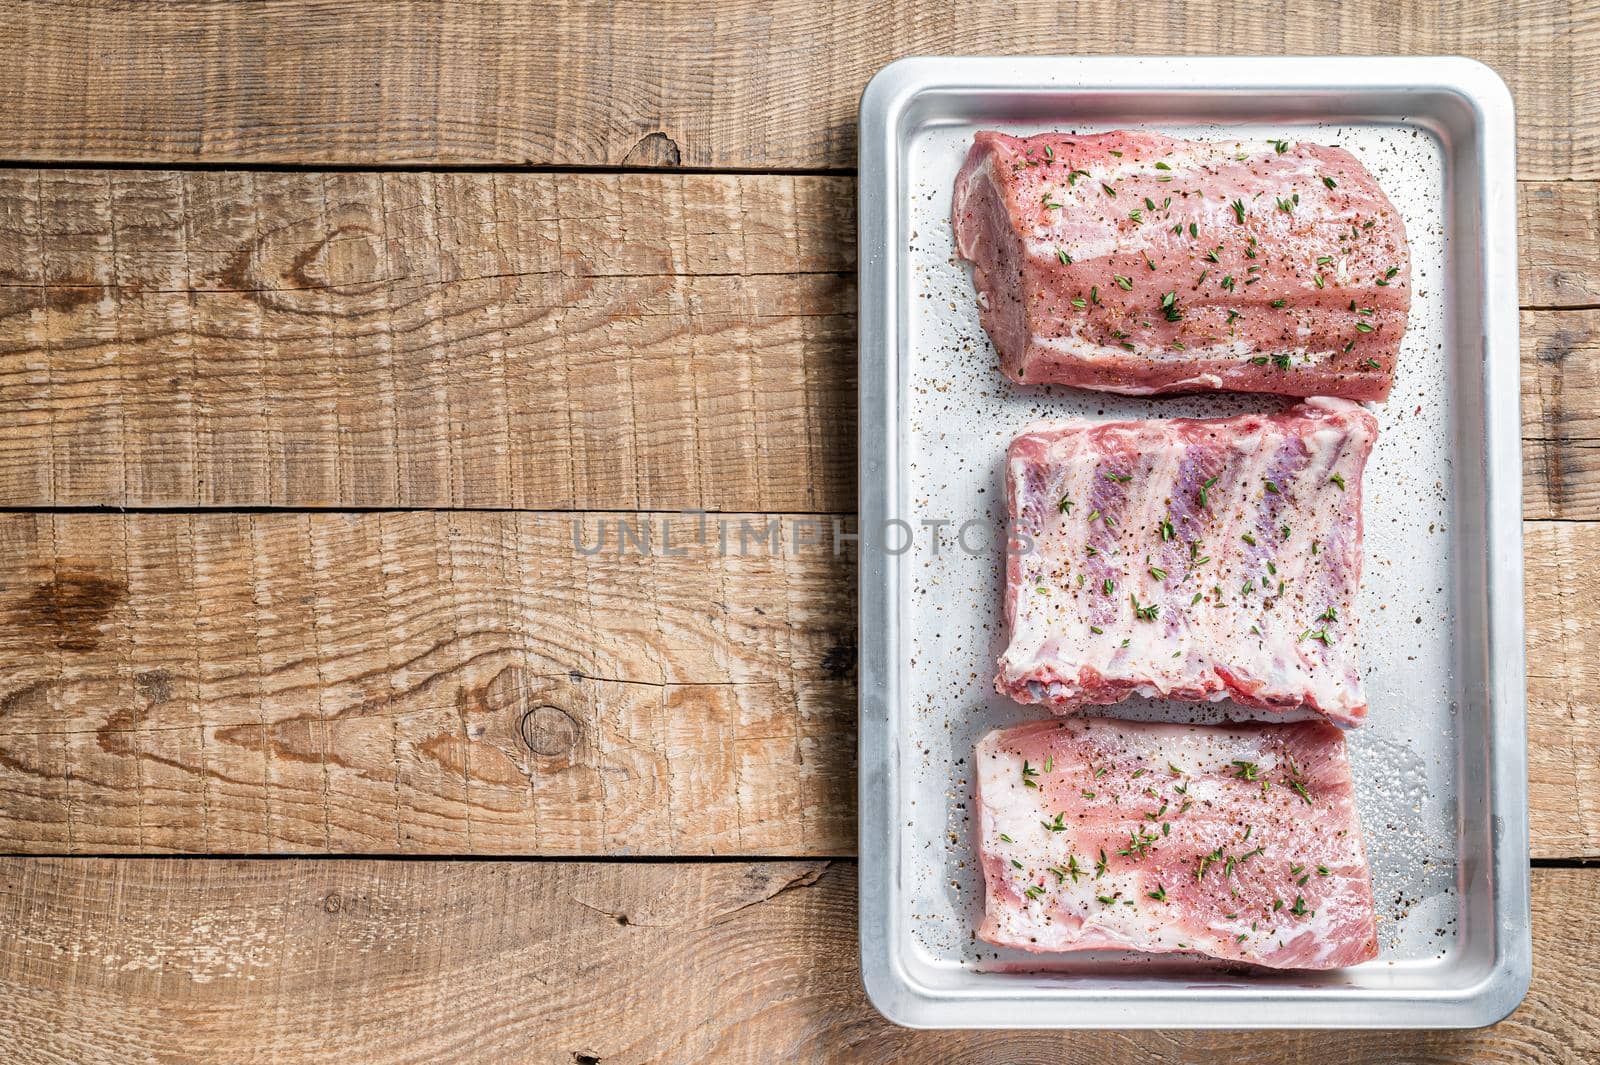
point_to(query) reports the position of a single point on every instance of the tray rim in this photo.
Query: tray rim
(892, 989)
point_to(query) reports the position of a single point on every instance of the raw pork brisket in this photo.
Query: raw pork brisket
(1192, 559)
(1136, 263)
(1240, 842)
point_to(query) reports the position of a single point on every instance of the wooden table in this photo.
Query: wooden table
(320, 327)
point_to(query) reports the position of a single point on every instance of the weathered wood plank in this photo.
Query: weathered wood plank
(1558, 225)
(470, 683)
(463, 340)
(744, 84)
(470, 340)
(1563, 722)
(319, 961)
(418, 682)
(1561, 414)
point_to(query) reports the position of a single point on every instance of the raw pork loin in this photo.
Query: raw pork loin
(1191, 559)
(1240, 842)
(1136, 263)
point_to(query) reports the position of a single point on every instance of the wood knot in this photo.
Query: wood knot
(839, 662)
(155, 686)
(533, 703)
(333, 902)
(348, 257)
(29, 699)
(316, 266)
(655, 149)
(69, 296)
(1555, 348)
(70, 608)
(550, 731)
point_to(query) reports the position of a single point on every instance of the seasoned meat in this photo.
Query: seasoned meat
(1188, 558)
(1240, 842)
(1131, 262)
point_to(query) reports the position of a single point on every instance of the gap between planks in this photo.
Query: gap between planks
(563, 83)
(535, 859)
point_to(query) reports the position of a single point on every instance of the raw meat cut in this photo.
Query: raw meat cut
(1236, 841)
(1188, 558)
(1132, 262)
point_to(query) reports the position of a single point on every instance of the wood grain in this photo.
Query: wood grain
(1562, 679)
(743, 84)
(463, 340)
(1558, 229)
(420, 682)
(467, 682)
(472, 683)
(340, 961)
(1561, 414)
(183, 339)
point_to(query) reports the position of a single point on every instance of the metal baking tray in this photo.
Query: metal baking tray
(1441, 764)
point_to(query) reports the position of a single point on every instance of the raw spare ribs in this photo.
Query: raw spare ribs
(1136, 263)
(1238, 841)
(1192, 559)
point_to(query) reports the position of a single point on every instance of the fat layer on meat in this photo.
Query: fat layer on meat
(1188, 559)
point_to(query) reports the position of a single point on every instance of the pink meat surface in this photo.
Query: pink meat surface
(1238, 842)
(1131, 262)
(1189, 559)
